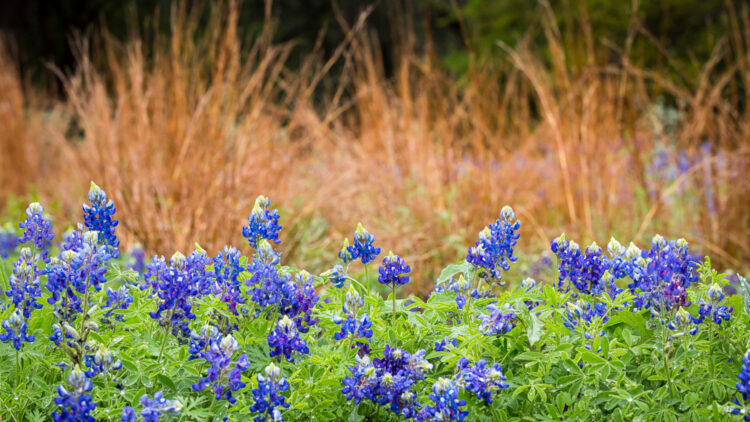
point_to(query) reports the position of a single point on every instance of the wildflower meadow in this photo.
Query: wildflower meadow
(621, 332)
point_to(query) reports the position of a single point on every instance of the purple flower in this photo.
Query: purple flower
(15, 331)
(285, 341)
(154, 409)
(263, 223)
(269, 397)
(362, 248)
(481, 380)
(98, 217)
(394, 271)
(75, 405)
(225, 375)
(494, 250)
(37, 230)
(447, 405)
(501, 320)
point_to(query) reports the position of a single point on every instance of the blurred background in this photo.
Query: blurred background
(419, 119)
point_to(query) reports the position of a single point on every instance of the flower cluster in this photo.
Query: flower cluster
(743, 387)
(138, 258)
(152, 409)
(480, 379)
(119, 299)
(394, 271)
(447, 405)
(582, 270)
(74, 272)
(388, 381)
(101, 362)
(582, 314)
(354, 325)
(713, 308)
(263, 223)
(336, 275)
(76, 405)
(37, 229)
(25, 284)
(98, 217)
(661, 275)
(269, 397)
(463, 290)
(227, 269)
(15, 331)
(442, 345)
(494, 250)
(224, 376)
(173, 287)
(501, 320)
(362, 247)
(285, 340)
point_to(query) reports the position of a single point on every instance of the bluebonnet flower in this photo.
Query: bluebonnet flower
(73, 273)
(267, 282)
(344, 254)
(175, 290)
(154, 409)
(582, 314)
(25, 284)
(298, 300)
(481, 380)
(119, 299)
(359, 327)
(102, 362)
(442, 345)
(199, 342)
(269, 396)
(37, 230)
(712, 309)
(263, 223)
(494, 250)
(76, 405)
(743, 387)
(447, 405)
(8, 242)
(224, 376)
(394, 271)
(462, 288)
(227, 270)
(501, 320)
(582, 269)
(98, 217)
(285, 340)
(336, 275)
(15, 331)
(661, 275)
(528, 284)
(128, 414)
(138, 255)
(362, 248)
(387, 381)
(682, 319)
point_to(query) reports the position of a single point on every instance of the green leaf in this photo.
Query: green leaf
(745, 291)
(453, 269)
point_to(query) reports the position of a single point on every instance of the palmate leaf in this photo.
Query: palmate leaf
(453, 269)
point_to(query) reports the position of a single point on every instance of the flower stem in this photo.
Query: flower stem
(18, 367)
(393, 298)
(367, 281)
(666, 360)
(163, 343)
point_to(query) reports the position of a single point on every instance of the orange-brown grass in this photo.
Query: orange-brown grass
(183, 138)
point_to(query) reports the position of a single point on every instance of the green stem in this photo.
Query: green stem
(666, 360)
(18, 368)
(393, 297)
(163, 343)
(367, 281)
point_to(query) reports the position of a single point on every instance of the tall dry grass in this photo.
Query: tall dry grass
(185, 130)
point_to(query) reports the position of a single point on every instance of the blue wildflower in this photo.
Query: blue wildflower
(37, 230)
(98, 217)
(582, 314)
(269, 397)
(336, 275)
(175, 291)
(582, 269)
(154, 409)
(263, 223)
(8, 242)
(25, 284)
(394, 271)
(359, 327)
(138, 255)
(442, 345)
(447, 405)
(344, 253)
(224, 376)
(481, 380)
(494, 250)
(743, 387)
(76, 405)
(15, 331)
(363, 248)
(128, 414)
(501, 320)
(119, 299)
(285, 340)
(102, 362)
